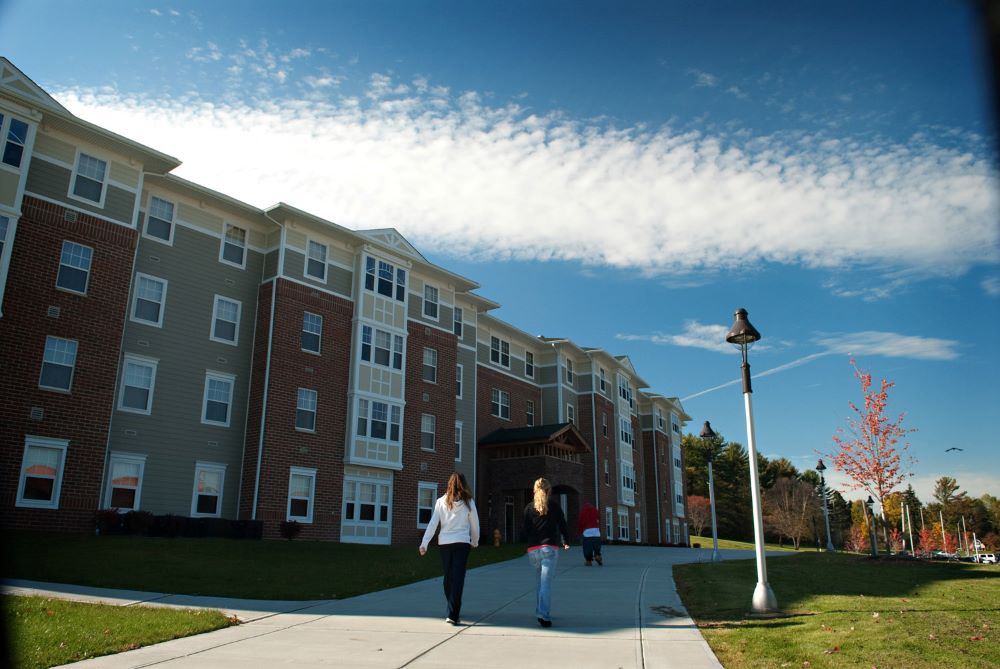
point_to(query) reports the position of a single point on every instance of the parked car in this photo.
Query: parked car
(987, 558)
(941, 555)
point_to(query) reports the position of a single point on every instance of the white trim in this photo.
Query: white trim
(500, 403)
(459, 436)
(433, 367)
(135, 300)
(432, 431)
(307, 257)
(459, 380)
(433, 488)
(5, 254)
(90, 267)
(436, 302)
(532, 374)
(72, 367)
(105, 181)
(218, 376)
(130, 458)
(308, 472)
(314, 410)
(214, 467)
(499, 350)
(142, 361)
(42, 442)
(215, 316)
(222, 245)
(169, 241)
(570, 413)
(319, 349)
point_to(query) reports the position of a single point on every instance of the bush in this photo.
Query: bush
(290, 529)
(108, 521)
(137, 522)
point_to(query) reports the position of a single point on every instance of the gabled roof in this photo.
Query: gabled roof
(391, 238)
(13, 78)
(561, 434)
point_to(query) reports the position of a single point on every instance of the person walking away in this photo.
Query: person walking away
(455, 511)
(545, 530)
(588, 526)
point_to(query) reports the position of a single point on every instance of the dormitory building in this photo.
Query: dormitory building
(167, 348)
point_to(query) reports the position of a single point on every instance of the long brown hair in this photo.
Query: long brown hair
(458, 489)
(542, 488)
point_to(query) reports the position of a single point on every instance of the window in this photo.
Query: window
(5, 228)
(428, 426)
(628, 476)
(571, 414)
(138, 379)
(305, 410)
(316, 261)
(301, 491)
(604, 424)
(385, 350)
(677, 462)
(529, 364)
(149, 299)
(607, 473)
(208, 480)
(604, 381)
(500, 404)
(226, 320)
(458, 322)
(529, 410)
(16, 133)
(608, 522)
(458, 381)
(124, 481)
(41, 472)
(500, 352)
(234, 246)
(431, 302)
(217, 398)
(88, 182)
(676, 428)
(312, 332)
(366, 501)
(426, 497)
(160, 219)
(74, 267)
(623, 525)
(58, 363)
(624, 389)
(389, 281)
(659, 419)
(638, 523)
(569, 371)
(430, 369)
(458, 441)
(378, 420)
(626, 430)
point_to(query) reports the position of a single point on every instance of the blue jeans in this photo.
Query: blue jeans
(544, 561)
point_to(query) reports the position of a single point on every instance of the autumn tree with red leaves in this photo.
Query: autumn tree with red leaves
(871, 451)
(699, 512)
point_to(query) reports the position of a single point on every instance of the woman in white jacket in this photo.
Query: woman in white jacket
(455, 512)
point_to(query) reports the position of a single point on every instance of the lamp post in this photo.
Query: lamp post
(872, 537)
(709, 435)
(820, 467)
(743, 335)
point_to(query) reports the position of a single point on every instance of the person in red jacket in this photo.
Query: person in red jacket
(588, 526)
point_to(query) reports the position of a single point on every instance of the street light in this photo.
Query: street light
(820, 467)
(709, 435)
(743, 335)
(872, 538)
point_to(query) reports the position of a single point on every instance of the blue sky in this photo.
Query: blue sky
(622, 174)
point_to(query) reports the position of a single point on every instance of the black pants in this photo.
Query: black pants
(453, 559)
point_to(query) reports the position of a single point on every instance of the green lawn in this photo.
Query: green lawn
(706, 542)
(48, 632)
(848, 611)
(226, 567)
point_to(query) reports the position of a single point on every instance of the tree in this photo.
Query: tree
(928, 540)
(699, 513)
(791, 508)
(946, 491)
(871, 452)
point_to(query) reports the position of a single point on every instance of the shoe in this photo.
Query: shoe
(588, 563)
(451, 622)
(599, 559)
(544, 623)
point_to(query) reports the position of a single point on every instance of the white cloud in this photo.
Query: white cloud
(890, 345)
(991, 286)
(459, 176)
(695, 335)
(704, 79)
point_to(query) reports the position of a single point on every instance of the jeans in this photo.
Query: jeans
(591, 547)
(454, 557)
(544, 561)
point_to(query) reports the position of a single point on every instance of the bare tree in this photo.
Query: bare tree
(791, 507)
(699, 512)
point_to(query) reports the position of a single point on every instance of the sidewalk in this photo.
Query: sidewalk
(624, 614)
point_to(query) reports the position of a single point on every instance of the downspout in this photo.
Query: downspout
(656, 483)
(593, 429)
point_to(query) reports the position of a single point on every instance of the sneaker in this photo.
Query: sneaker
(587, 563)
(599, 559)
(544, 623)
(450, 621)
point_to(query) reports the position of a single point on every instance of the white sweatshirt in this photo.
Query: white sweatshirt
(459, 524)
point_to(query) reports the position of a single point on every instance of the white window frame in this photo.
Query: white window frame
(570, 376)
(366, 411)
(428, 420)
(90, 264)
(571, 414)
(318, 335)
(501, 400)
(214, 467)
(609, 517)
(459, 371)
(625, 432)
(169, 241)
(313, 399)
(9, 225)
(432, 488)
(458, 440)
(431, 297)
(396, 350)
(500, 352)
(374, 279)
(218, 376)
(6, 120)
(352, 484)
(607, 473)
(242, 246)
(309, 473)
(458, 326)
(30, 442)
(623, 529)
(529, 364)
(141, 361)
(236, 325)
(529, 412)
(127, 458)
(76, 173)
(638, 524)
(429, 367)
(72, 365)
(324, 261)
(158, 323)
(604, 381)
(604, 424)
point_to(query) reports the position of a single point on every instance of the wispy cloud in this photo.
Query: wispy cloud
(694, 335)
(991, 286)
(498, 181)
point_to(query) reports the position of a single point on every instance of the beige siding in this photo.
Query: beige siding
(47, 145)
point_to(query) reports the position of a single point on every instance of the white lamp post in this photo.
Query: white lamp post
(826, 514)
(708, 434)
(743, 335)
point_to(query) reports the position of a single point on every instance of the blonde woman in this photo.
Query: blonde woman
(545, 529)
(455, 511)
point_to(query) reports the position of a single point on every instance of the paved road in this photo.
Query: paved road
(624, 614)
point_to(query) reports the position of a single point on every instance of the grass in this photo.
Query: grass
(706, 542)
(48, 632)
(226, 567)
(848, 611)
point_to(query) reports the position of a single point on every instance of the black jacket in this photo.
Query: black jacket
(545, 529)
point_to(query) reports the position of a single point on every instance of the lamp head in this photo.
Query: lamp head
(870, 502)
(820, 467)
(707, 432)
(742, 333)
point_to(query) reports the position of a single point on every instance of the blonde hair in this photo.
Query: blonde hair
(458, 490)
(542, 489)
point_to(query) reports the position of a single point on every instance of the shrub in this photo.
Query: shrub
(137, 522)
(108, 521)
(290, 529)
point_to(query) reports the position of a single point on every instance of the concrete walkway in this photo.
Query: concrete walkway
(624, 614)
